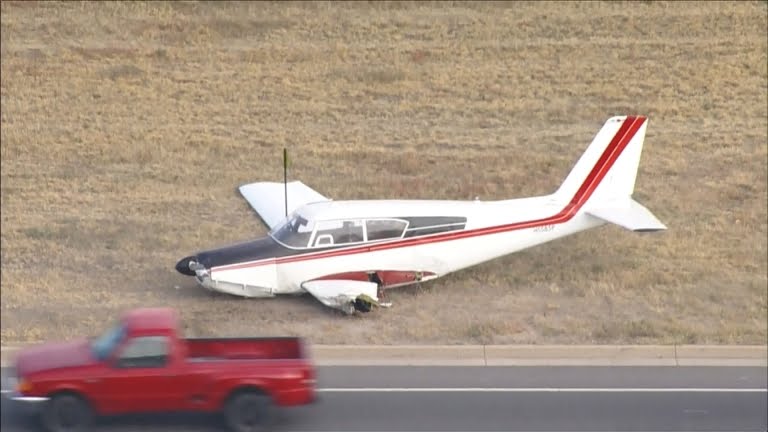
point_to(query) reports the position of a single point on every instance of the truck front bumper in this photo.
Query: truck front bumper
(23, 404)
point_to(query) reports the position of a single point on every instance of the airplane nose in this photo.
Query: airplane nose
(183, 265)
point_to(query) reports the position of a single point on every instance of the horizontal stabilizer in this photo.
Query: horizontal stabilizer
(268, 199)
(340, 293)
(629, 214)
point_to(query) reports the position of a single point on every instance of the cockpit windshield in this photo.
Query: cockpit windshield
(294, 233)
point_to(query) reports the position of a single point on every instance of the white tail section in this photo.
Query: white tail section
(610, 162)
(629, 214)
(603, 180)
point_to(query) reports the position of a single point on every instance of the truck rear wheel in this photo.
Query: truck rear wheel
(67, 413)
(247, 411)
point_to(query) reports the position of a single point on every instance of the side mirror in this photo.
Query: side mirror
(114, 362)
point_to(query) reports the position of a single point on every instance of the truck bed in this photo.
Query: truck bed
(265, 348)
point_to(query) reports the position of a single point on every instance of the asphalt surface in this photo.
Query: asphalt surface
(499, 399)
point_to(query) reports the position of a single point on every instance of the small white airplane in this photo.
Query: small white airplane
(345, 253)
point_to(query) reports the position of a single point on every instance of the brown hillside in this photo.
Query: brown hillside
(126, 128)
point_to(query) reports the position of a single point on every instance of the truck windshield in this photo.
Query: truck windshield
(103, 345)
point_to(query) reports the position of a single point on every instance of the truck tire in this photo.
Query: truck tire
(66, 412)
(247, 411)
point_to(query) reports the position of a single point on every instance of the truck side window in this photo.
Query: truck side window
(144, 352)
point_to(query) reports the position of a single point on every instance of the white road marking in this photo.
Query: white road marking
(538, 390)
(695, 411)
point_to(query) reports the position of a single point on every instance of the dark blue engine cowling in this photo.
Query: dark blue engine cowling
(254, 250)
(183, 265)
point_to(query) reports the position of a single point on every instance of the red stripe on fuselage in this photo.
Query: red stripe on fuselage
(623, 136)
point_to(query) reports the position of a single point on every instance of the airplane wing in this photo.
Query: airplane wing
(343, 294)
(268, 199)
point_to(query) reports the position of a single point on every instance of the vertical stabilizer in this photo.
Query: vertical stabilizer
(603, 180)
(608, 168)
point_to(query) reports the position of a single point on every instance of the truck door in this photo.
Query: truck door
(141, 377)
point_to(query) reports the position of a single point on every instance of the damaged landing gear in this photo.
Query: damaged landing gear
(365, 303)
(374, 277)
(362, 305)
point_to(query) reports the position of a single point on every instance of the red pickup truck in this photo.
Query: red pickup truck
(141, 364)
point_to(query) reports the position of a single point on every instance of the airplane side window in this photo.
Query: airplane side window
(324, 240)
(351, 232)
(417, 232)
(338, 232)
(385, 229)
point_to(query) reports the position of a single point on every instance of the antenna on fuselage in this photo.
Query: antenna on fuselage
(285, 178)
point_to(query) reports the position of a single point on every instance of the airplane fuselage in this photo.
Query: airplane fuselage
(438, 238)
(344, 252)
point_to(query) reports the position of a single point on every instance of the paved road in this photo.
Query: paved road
(502, 399)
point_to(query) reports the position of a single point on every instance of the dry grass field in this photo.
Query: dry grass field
(126, 128)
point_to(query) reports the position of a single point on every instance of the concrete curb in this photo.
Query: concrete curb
(713, 355)
(523, 355)
(398, 355)
(593, 355)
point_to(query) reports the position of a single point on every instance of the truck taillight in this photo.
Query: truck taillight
(308, 377)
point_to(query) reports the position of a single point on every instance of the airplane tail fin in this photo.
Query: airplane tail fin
(603, 180)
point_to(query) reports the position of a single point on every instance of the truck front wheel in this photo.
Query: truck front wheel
(67, 412)
(247, 411)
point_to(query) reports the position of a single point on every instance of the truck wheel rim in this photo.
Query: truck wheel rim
(248, 412)
(249, 417)
(68, 415)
